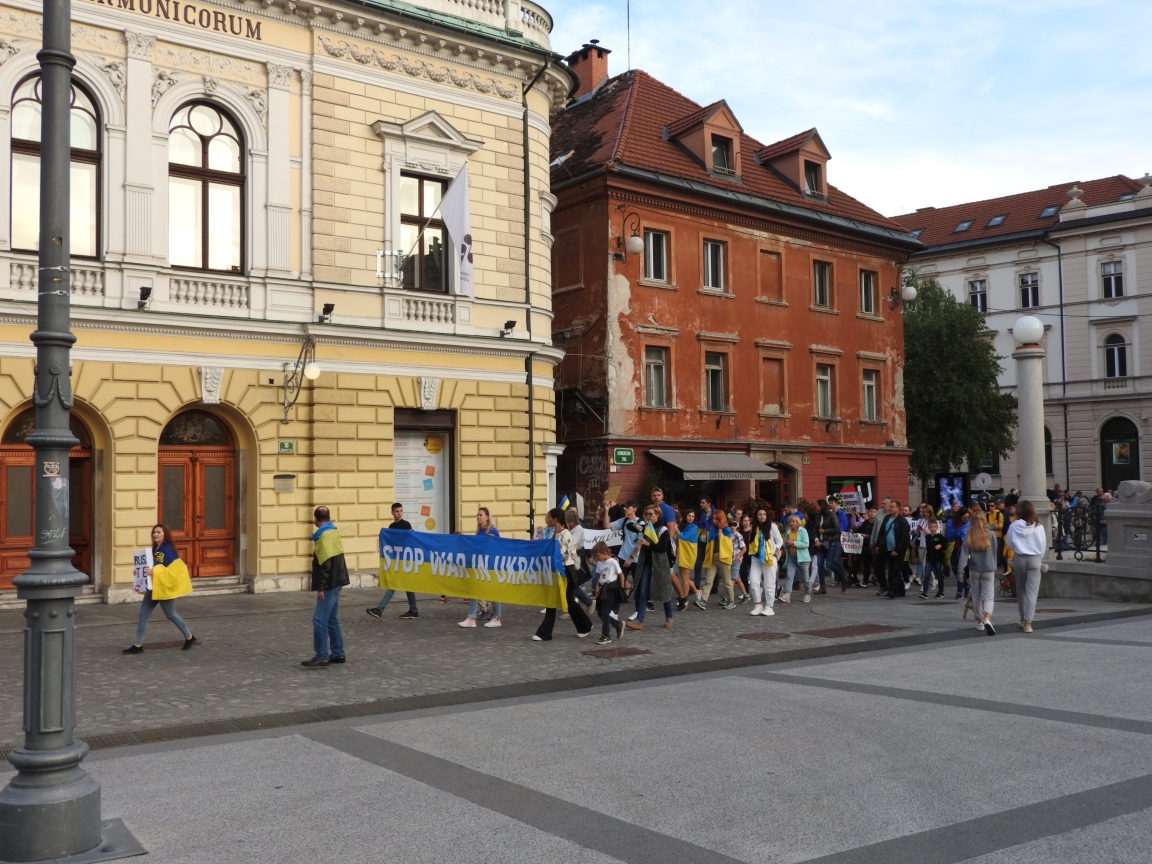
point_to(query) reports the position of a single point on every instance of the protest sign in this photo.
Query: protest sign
(522, 572)
(852, 544)
(592, 536)
(141, 563)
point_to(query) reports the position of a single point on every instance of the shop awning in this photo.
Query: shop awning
(715, 465)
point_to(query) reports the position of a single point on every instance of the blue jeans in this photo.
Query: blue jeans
(148, 606)
(643, 589)
(933, 568)
(325, 625)
(816, 565)
(798, 569)
(832, 559)
(387, 598)
(474, 609)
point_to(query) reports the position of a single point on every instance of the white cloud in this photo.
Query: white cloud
(931, 103)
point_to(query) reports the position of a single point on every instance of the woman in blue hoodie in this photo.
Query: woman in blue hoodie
(956, 532)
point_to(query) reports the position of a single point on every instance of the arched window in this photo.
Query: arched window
(205, 190)
(1115, 357)
(85, 170)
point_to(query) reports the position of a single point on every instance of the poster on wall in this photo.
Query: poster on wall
(1121, 453)
(422, 484)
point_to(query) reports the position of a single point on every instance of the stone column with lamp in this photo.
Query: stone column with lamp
(1029, 356)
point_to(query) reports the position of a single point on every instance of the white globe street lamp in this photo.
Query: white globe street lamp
(1028, 330)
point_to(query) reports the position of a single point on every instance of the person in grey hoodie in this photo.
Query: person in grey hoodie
(979, 548)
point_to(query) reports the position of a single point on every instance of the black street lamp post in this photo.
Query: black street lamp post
(51, 808)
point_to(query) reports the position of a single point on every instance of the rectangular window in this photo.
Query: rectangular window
(867, 292)
(422, 237)
(1029, 290)
(656, 377)
(773, 385)
(871, 385)
(722, 155)
(714, 265)
(715, 381)
(824, 390)
(978, 294)
(821, 283)
(771, 283)
(812, 179)
(1112, 279)
(655, 255)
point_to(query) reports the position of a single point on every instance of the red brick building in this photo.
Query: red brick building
(728, 314)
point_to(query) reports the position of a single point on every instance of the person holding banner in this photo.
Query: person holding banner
(168, 577)
(484, 528)
(399, 523)
(329, 576)
(556, 519)
(655, 580)
(630, 540)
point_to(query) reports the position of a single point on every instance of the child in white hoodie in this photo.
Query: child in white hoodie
(1029, 540)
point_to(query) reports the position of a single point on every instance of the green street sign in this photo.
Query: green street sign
(287, 448)
(624, 456)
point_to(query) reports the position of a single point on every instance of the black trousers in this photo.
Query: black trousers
(894, 565)
(608, 602)
(880, 570)
(579, 616)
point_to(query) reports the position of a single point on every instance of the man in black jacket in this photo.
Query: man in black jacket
(329, 575)
(892, 543)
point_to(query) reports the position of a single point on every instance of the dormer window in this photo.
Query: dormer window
(1049, 211)
(812, 184)
(996, 221)
(722, 155)
(963, 226)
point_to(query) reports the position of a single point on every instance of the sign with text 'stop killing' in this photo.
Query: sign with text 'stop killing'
(421, 462)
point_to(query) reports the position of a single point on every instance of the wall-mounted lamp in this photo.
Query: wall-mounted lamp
(905, 295)
(295, 373)
(509, 326)
(145, 300)
(634, 245)
(325, 316)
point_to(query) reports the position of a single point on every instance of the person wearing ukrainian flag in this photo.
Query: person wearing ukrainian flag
(687, 549)
(764, 546)
(329, 575)
(168, 578)
(717, 559)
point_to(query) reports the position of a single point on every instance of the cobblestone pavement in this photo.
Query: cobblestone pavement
(247, 660)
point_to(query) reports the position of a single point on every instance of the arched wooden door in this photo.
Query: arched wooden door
(18, 497)
(198, 492)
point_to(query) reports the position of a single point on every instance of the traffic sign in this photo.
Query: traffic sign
(982, 482)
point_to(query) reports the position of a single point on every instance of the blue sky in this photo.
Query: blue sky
(921, 103)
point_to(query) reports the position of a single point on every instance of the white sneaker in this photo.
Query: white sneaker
(543, 612)
(980, 626)
(536, 638)
(786, 597)
(495, 622)
(768, 611)
(807, 598)
(757, 610)
(467, 622)
(632, 617)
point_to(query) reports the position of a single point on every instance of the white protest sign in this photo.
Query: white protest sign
(853, 544)
(141, 563)
(592, 536)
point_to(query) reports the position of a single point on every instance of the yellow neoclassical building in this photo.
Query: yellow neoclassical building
(267, 300)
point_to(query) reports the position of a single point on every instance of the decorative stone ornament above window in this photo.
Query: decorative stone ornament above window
(801, 161)
(712, 135)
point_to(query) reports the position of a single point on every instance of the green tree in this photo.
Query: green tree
(954, 406)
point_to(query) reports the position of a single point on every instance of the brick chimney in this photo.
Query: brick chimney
(590, 63)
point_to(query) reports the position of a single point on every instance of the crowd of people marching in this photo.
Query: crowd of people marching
(676, 557)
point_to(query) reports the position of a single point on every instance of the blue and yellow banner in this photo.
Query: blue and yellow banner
(521, 572)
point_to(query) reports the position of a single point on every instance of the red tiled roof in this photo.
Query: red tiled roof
(1021, 212)
(788, 145)
(623, 123)
(696, 118)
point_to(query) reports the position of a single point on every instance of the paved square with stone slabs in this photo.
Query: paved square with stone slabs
(1013, 750)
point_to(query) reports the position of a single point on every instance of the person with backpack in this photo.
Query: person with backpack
(980, 548)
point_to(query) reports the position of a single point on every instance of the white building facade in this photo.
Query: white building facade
(1079, 258)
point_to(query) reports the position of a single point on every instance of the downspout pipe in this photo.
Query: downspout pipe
(528, 361)
(1063, 360)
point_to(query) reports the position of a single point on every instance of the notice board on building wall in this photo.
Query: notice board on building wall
(423, 484)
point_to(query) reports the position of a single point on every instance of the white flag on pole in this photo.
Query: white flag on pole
(457, 216)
